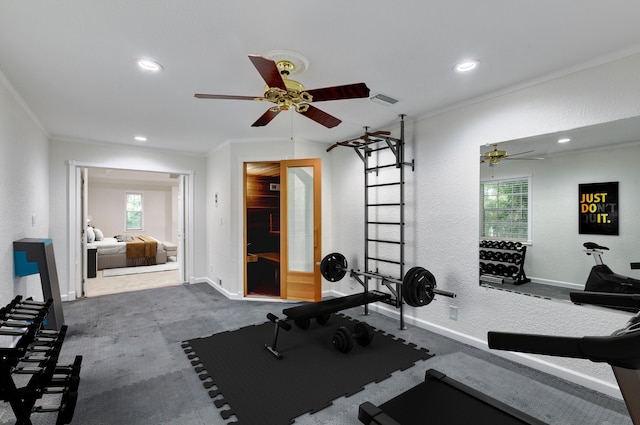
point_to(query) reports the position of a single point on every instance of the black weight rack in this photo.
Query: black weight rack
(384, 209)
(31, 380)
(502, 262)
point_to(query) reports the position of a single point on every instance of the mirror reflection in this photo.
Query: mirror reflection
(531, 237)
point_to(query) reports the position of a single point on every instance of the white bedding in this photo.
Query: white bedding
(112, 246)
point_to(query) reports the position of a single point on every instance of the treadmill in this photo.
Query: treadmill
(443, 400)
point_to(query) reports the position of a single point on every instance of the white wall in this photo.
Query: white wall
(24, 191)
(446, 219)
(107, 206)
(61, 152)
(556, 254)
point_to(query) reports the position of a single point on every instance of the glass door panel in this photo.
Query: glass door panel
(300, 219)
(301, 222)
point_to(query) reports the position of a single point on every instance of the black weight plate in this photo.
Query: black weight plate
(364, 334)
(303, 323)
(342, 340)
(67, 408)
(417, 287)
(333, 267)
(409, 293)
(426, 286)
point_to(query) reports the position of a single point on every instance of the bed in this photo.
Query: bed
(112, 253)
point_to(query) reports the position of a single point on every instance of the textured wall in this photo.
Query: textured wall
(23, 189)
(443, 198)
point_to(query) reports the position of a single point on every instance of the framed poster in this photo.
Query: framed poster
(598, 209)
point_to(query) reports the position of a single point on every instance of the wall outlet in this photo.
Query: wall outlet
(453, 312)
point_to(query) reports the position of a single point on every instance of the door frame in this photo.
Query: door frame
(317, 164)
(77, 270)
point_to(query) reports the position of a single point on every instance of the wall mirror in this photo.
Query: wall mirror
(542, 210)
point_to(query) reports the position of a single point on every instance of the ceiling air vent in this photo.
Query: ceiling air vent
(383, 99)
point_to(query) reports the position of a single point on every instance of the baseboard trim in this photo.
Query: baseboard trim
(570, 285)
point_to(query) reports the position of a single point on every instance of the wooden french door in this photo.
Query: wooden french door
(300, 235)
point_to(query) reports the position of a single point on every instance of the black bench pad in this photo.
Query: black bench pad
(333, 305)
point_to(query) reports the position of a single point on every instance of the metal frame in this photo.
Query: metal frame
(364, 147)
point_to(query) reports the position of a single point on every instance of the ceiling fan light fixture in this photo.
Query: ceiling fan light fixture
(466, 65)
(149, 65)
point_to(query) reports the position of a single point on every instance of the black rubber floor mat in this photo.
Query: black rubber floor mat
(260, 389)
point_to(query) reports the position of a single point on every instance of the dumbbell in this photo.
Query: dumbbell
(343, 338)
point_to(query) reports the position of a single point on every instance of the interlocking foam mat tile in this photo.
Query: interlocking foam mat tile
(251, 386)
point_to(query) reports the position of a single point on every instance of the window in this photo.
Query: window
(504, 208)
(133, 213)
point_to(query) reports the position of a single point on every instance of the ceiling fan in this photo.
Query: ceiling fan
(287, 94)
(495, 156)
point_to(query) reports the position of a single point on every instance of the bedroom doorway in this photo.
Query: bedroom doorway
(103, 210)
(282, 229)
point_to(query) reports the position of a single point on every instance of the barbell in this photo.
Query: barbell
(418, 284)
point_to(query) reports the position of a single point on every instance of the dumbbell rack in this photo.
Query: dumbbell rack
(502, 262)
(31, 380)
(388, 165)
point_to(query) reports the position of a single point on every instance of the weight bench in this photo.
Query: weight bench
(321, 311)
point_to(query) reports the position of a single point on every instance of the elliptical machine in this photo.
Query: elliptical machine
(603, 279)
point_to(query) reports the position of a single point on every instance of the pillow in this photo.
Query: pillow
(99, 234)
(91, 235)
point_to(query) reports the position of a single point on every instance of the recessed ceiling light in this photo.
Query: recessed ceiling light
(565, 140)
(149, 65)
(140, 139)
(466, 66)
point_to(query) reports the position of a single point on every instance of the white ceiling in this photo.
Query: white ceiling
(73, 62)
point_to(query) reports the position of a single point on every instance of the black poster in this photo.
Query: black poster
(599, 209)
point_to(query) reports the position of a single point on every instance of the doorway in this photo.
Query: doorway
(282, 229)
(262, 228)
(122, 205)
(79, 214)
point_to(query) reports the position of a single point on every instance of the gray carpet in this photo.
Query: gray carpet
(135, 372)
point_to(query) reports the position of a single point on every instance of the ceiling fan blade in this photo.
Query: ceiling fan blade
(225, 96)
(321, 117)
(349, 91)
(266, 118)
(268, 70)
(519, 153)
